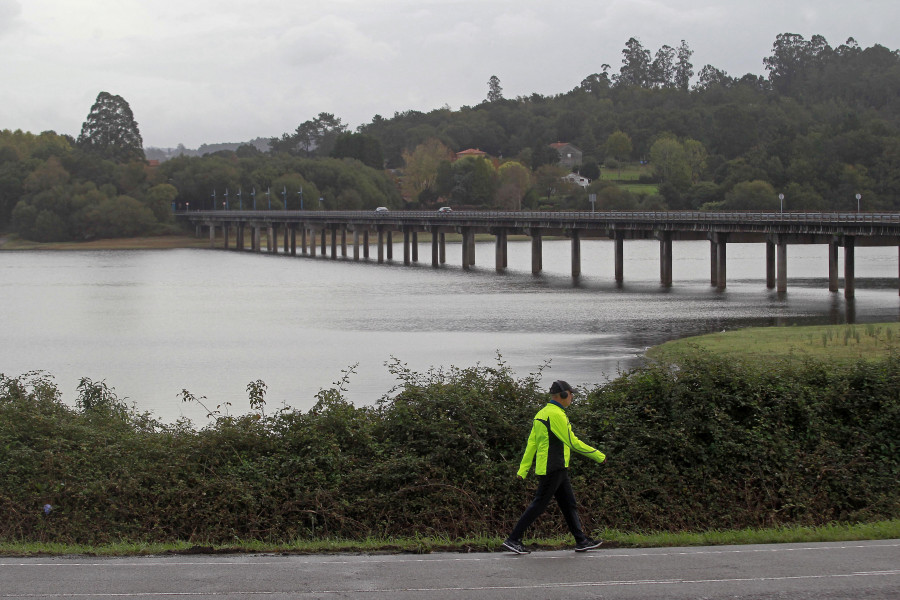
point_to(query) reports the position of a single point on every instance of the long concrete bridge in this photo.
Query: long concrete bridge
(776, 230)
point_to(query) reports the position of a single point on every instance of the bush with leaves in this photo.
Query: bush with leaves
(702, 444)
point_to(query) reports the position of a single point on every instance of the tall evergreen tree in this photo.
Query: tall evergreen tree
(495, 92)
(684, 70)
(111, 131)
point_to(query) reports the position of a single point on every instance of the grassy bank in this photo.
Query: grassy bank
(163, 242)
(841, 343)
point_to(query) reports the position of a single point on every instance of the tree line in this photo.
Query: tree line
(821, 127)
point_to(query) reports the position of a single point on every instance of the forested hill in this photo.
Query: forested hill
(823, 125)
(821, 129)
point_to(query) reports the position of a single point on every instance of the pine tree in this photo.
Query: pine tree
(111, 131)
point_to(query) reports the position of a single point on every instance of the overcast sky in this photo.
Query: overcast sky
(209, 71)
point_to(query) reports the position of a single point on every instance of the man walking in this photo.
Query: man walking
(549, 446)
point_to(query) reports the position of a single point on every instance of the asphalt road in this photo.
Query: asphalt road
(824, 571)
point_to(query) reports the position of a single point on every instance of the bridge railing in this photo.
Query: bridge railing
(585, 216)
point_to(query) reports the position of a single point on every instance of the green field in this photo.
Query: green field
(843, 343)
(629, 172)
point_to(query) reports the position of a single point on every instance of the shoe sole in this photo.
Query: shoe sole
(597, 545)
(511, 549)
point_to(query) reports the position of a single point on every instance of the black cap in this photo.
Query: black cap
(560, 386)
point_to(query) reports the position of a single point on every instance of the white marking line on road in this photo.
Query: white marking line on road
(363, 559)
(580, 584)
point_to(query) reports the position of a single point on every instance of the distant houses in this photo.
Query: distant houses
(569, 155)
(471, 153)
(577, 179)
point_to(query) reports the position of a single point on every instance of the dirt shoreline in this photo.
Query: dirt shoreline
(164, 242)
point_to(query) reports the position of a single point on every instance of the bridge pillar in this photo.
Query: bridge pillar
(355, 244)
(226, 231)
(380, 245)
(390, 245)
(343, 242)
(334, 243)
(537, 252)
(324, 242)
(576, 253)
(256, 239)
(415, 246)
(366, 243)
(471, 247)
(406, 259)
(272, 239)
(720, 240)
(770, 264)
(293, 230)
(849, 267)
(239, 236)
(619, 257)
(312, 242)
(500, 250)
(833, 266)
(713, 262)
(435, 247)
(442, 247)
(303, 249)
(212, 235)
(467, 247)
(781, 247)
(665, 257)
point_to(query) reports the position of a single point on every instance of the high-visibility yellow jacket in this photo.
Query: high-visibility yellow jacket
(551, 442)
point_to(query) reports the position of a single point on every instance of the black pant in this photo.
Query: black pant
(552, 485)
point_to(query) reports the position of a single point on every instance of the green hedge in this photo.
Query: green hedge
(703, 444)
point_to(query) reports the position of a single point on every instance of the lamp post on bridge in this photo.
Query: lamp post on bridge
(240, 200)
(226, 199)
(858, 198)
(781, 199)
(269, 197)
(253, 194)
(214, 198)
(301, 197)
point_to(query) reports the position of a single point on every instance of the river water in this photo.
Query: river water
(152, 323)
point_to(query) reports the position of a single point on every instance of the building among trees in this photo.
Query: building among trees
(569, 155)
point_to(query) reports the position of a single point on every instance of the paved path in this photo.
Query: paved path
(820, 571)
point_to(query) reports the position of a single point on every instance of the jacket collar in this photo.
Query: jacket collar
(557, 404)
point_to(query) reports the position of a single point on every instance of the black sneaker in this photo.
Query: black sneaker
(587, 544)
(514, 546)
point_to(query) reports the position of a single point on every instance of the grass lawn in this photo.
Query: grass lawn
(629, 172)
(845, 343)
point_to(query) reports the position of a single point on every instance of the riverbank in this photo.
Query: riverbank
(162, 242)
(840, 343)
